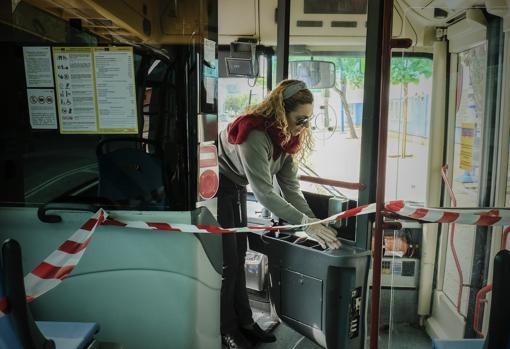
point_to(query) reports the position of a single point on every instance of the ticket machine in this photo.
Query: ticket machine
(319, 293)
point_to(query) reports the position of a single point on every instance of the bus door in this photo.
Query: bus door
(476, 141)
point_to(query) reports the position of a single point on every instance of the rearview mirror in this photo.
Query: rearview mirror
(316, 74)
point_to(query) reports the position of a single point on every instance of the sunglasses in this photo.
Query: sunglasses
(303, 121)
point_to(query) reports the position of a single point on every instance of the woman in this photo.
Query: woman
(254, 148)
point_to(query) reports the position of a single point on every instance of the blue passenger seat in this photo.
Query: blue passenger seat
(18, 329)
(132, 173)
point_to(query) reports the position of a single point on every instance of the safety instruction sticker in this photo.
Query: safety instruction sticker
(41, 107)
(75, 90)
(95, 89)
(115, 88)
(38, 69)
(467, 141)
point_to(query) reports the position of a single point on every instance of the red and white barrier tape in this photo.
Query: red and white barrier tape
(470, 216)
(60, 263)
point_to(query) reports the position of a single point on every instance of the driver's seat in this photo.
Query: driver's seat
(132, 173)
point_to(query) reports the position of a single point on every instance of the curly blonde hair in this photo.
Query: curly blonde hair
(274, 106)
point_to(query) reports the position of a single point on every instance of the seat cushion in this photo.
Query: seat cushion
(457, 344)
(8, 338)
(69, 335)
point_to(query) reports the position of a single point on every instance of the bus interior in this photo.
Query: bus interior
(113, 110)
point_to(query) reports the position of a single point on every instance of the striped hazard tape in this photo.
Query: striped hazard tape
(61, 262)
(470, 216)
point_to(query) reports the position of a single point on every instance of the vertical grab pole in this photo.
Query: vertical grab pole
(282, 44)
(381, 168)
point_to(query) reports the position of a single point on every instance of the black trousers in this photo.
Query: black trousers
(235, 307)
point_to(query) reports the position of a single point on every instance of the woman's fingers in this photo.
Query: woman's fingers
(329, 235)
(325, 236)
(322, 243)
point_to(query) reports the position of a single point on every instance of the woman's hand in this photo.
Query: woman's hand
(325, 236)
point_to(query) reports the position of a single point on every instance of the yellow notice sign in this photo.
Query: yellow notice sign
(467, 140)
(95, 90)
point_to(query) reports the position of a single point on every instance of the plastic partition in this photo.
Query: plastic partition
(146, 288)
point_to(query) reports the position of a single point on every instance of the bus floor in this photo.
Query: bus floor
(403, 336)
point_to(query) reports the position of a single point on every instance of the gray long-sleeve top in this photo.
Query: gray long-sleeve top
(252, 163)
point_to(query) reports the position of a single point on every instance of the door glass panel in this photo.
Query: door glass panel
(409, 116)
(408, 127)
(470, 104)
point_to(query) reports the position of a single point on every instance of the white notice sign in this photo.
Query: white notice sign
(41, 107)
(38, 69)
(210, 89)
(115, 88)
(210, 52)
(75, 90)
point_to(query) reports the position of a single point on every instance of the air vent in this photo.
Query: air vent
(309, 24)
(344, 24)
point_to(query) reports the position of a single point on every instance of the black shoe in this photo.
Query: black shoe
(256, 334)
(235, 340)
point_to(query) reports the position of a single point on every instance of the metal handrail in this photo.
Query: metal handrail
(504, 237)
(480, 298)
(333, 182)
(330, 189)
(452, 240)
(385, 66)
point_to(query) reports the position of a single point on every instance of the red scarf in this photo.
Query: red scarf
(241, 127)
